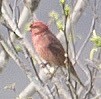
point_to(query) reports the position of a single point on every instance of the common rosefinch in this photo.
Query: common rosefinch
(49, 47)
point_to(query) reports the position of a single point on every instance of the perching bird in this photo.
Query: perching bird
(49, 47)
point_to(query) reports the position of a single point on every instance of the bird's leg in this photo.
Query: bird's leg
(47, 65)
(43, 65)
(51, 70)
(52, 74)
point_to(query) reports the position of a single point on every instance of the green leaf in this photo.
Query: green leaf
(18, 48)
(96, 39)
(62, 1)
(92, 53)
(54, 15)
(67, 10)
(59, 24)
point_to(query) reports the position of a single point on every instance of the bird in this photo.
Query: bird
(48, 47)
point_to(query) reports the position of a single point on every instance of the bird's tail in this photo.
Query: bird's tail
(73, 73)
(75, 76)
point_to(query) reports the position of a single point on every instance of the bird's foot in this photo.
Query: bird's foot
(43, 65)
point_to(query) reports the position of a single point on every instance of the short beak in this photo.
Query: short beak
(31, 26)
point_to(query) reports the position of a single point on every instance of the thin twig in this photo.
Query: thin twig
(71, 93)
(73, 89)
(50, 93)
(66, 41)
(87, 39)
(11, 43)
(32, 63)
(9, 38)
(57, 91)
(90, 86)
(14, 10)
(15, 57)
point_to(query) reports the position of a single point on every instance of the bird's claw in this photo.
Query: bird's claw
(43, 65)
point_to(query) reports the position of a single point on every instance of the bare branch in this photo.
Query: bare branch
(15, 57)
(86, 40)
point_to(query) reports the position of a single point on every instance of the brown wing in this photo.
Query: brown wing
(50, 48)
(57, 51)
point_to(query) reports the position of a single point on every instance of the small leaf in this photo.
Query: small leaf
(54, 15)
(92, 53)
(67, 10)
(18, 48)
(96, 39)
(59, 25)
(62, 1)
(10, 86)
(99, 66)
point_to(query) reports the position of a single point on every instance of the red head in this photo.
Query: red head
(38, 27)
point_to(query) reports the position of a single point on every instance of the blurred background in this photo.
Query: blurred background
(12, 73)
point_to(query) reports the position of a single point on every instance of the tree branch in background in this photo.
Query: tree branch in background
(73, 19)
(31, 4)
(43, 83)
(0, 7)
